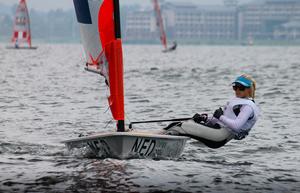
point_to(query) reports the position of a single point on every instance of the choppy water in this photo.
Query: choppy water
(47, 97)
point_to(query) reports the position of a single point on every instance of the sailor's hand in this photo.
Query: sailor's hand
(197, 118)
(218, 113)
(200, 118)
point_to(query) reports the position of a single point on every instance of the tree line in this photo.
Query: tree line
(55, 26)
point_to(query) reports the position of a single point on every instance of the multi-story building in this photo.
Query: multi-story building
(260, 19)
(140, 26)
(230, 3)
(219, 22)
(183, 22)
(289, 31)
(267, 19)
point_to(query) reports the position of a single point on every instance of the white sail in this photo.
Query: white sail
(87, 17)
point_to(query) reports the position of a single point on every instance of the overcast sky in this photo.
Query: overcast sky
(45, 5)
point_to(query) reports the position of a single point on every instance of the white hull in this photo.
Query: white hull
(132, 144)
(169, 50)
(173, 48)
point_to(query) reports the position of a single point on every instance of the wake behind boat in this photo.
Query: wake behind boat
(21, 37)
(99, 23)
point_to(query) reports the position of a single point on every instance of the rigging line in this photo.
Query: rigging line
(108, 123)
(107, 109)
(127, 117)
(107, 89)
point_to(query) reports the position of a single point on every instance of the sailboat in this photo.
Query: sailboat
(21, 29)
(100, 29)
(160, 25)
(250, 40)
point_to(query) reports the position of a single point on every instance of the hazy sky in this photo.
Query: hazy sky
(45, 5)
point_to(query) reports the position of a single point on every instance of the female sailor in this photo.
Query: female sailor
(239, 116)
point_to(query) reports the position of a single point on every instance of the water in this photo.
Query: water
(47, 97)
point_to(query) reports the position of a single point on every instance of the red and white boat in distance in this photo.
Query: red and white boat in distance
(21, 36)
(160, 26)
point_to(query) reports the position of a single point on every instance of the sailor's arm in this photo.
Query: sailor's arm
(237, 123)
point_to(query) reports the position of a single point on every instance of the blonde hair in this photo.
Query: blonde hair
(253, 85)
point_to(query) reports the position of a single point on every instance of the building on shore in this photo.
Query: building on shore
(257, 20)
(183, 22)
(269, 19)
(230, 3)
(289, 31)
(140, 26)
(189, 22)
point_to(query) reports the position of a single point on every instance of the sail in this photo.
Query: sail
(87, 17)
(103, 48)
(159, 23)
(21, 30)
(113, 53)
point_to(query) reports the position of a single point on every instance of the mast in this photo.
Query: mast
(117, 19)
(117, 22)
(159, 23)
(100, 29)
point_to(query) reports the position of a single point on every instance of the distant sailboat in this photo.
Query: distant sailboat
(160, 25)
(250, 40)
(99, 23)
(21, 37)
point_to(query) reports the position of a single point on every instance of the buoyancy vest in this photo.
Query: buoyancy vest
(230, 112)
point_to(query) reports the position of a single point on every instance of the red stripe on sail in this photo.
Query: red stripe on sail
(24, 35)
(96, 61)
(29, 40)
(113, 53)
(159, 23)
(16, 34)
(106, 22)
(22, 7)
